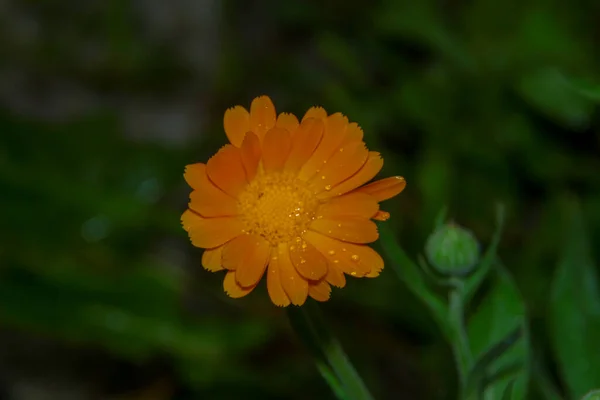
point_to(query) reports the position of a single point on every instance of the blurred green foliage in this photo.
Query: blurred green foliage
(472, 102)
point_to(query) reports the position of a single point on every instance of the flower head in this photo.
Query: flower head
(286, 199)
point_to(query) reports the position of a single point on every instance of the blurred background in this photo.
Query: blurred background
(103, 103)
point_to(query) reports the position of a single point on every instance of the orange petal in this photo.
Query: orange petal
(208, 233)
(211, 259)
(262, 115)
(320, 291)
(226, 170)
(248, 255)
(232, 288)
(352, 204)
(287, 121)
(342, 164)
(348, 229)
(365, 174)
(304, 142)
(335, 132)
(244, 251)
(354, 133)
(381, 216)
(384, 189)
(308, 261)
(194, 173)
(236, 123)
(316, 113)
(353, 259)
(274, 287)
(250, 154)
(276, 147)
(294, 285)
(334, 276)
(208, 200)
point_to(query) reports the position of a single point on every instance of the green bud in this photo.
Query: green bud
(593, 395)
(452, 250)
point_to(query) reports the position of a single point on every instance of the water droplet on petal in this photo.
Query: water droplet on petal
(336, 261)
(292, 248)
(331, 252)
(353, 273)
(328, 187)
(341, 149)
(323, 177)
(355, 257)
(302, 261)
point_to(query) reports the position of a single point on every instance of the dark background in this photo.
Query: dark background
(103, 103)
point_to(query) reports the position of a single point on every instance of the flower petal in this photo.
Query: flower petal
(226, 170)
(342, 164)
(381, 216)
(194, 173)
(208, 200)
(248, 255)
(335, 132)
(287, 121)
(353, 259)
(211, 259)
(232, 288)
(384, 189)
(250, 155)
(354, 133)
(316, 113)
(294, 285)
(309, 262)
(208, 233)
(320, 291)
(236, 123)
(262, 115)
(274, 287)
(349, 205)
(276, 148)
(366, 173)
(335, 276)
(348, 229)
(304, 142)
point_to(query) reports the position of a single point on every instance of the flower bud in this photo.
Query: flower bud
(452, 250)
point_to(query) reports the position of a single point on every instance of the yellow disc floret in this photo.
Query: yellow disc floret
(277, 206)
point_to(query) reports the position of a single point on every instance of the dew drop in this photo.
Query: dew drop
(355, 257)
(339, 225)
(292, 248)
(302, 261)
(331, 252)
(323, 177)
(336, 261)
(341, 149)
(304, 246)
(353, 273)
(328, 187)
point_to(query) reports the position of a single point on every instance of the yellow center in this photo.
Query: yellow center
(277, 206)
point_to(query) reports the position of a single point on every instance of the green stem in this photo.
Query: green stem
(459, 339)
(331, 359)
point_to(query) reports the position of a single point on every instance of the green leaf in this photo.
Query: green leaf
(575, 311)
(547, 90)
(500, 314)
(473, 282)
(593, 395)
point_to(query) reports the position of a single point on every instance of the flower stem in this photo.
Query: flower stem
(459, 339)
(332, 362)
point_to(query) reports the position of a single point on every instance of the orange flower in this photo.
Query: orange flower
(286, 198)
